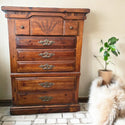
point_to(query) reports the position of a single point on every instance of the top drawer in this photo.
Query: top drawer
(45, 42)
(22, 27)
(46, 26)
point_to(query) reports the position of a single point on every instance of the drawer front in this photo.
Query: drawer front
(46, 26)
(57, 97)
(45, 66)
(45, 54)
(45, 83)
(22, 27)
(70, 28)
(45, 42)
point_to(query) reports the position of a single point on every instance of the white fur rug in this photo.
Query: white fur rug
(107, 104)
(120, 122)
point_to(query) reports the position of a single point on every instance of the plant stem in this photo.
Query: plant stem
(99, 61)
(105, 65)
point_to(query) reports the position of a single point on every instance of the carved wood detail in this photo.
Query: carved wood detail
(46, 25)
(45, 53)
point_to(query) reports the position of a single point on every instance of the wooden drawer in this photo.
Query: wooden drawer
(45, 42)
(45, 54)
(45, 66)
(56, 97)
(46, 26)
(22, 27)
(45, 83)
(70, 27)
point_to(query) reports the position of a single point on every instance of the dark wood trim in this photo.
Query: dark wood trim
(8, 102)
(83, 99)
(45, 74)
(43, 9)
(23, 110)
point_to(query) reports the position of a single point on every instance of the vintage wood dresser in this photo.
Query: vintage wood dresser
(45, 53)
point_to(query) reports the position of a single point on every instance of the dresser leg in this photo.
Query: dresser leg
(21, 110)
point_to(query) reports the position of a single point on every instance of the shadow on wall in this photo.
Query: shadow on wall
(5, 83)
(90, 26)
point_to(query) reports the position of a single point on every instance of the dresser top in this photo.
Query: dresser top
(39, 9)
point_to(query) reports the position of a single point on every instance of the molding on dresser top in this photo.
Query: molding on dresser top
(27, 12)
(43, 9)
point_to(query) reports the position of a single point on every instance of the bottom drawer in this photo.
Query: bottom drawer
(45, 83)
(57, 97)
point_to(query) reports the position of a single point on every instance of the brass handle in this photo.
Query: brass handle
(46, 55)
(71, 27)
(46, 98)
(46, 66)
(22, 27)
(46, 84)
(46, 42)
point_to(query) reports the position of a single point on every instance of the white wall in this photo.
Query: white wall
(106, 19)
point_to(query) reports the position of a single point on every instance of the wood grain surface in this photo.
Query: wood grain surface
(45, 54)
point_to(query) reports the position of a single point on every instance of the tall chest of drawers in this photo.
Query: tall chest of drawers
(45, 51)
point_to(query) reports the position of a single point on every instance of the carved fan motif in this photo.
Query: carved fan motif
(47, 25)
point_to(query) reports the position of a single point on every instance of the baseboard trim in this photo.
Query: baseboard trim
(8, 102)
(83, 99)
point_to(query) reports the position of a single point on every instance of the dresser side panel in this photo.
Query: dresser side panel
(78, 56)
(79, 45)
(12, 44)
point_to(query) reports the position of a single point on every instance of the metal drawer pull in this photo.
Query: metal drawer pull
(46, 98)
(46, 42)
(46, 55)
(46, 84)
(22, 27)
(46, 66)
(71, 27)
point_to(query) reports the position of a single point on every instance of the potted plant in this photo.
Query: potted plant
(107, 49)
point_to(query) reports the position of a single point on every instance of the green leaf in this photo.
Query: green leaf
(108, 49)
(106, 45)
(113, 48)
(112, 40)
(118, 52)
(105, 58)
(106, 53)
(115, 53)
(101, 41)
(101, 49)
